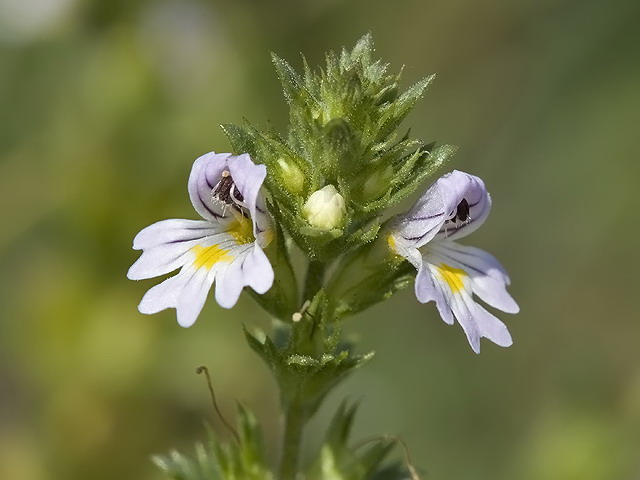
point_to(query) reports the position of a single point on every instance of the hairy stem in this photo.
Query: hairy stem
(314, 280)
(296, 413)
(295, 418)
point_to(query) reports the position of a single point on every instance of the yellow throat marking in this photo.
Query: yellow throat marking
(207, 257)
(391, 242)
(453, 276)
(242, 230)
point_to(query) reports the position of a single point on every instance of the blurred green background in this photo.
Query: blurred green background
(105, 104)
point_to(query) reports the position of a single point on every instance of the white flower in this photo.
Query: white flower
(225, 247)
(325, 208)
(449, 273)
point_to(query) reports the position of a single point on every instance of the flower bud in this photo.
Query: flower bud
(377, 184)
(291, 176)
(325, 208)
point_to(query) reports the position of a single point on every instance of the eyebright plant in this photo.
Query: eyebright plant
(324, 188)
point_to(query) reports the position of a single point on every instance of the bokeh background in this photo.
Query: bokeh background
(105, 104)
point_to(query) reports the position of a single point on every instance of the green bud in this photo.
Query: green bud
(377, 184)
(290, 176)
(325, 209)
(342, 146)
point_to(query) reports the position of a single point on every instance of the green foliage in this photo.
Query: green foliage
(244, 460)
(338, 460)
(342, 131)
(367, 276)
(307, 358)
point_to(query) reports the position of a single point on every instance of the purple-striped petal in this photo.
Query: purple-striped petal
(164, 295)
(166, 245)
(171, 231)
(205, 175)
(247, 177)
(476, 322)
(454, 206)
(193, 295)
(487, 277)
(458, 187)
(427, 290)
(230, 282)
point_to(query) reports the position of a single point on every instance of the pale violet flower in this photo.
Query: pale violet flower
(225, 247)
(325, 208)
(449, 273)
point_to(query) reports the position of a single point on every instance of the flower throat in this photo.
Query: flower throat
(227, 192)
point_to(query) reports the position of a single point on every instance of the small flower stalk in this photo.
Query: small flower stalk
(323, 188)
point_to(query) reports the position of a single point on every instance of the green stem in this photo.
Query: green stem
(296, 414)
(295, 419)
(314, 280)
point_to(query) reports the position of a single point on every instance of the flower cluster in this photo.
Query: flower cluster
(329, 186)
(227, 246)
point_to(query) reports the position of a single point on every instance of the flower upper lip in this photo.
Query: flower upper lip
(431, 216)
(208, 181)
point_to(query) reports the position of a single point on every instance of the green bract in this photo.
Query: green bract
(240, 460)
(343, 131)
